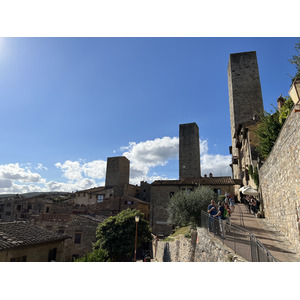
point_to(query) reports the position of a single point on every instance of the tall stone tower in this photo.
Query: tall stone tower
(189, 151)
(117, 171)
(245, 97)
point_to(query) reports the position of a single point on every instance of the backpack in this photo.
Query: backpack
(225, 213)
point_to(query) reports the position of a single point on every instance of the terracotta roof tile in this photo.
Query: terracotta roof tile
(16, 234)
(226, 180)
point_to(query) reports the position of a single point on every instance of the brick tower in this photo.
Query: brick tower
(245, 98)
(189, 151)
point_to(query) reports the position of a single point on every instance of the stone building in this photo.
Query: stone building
(24, 242)
(80, 228)
(245, 104)
(162, 190)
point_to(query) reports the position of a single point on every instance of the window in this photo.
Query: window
(7, 213)
(47, 209)
(61, 230)
(217, 191)
(29, 206)
(77, 238)
(8, 204)
(129, 202)
(52, 254)
(19, 207)
(100, 198)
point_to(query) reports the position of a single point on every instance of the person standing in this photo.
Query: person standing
(221, 216)
(212, 210)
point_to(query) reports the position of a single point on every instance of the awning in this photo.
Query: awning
(243, 188)
(250, 191)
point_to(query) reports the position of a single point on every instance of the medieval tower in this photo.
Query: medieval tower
(189, 151)
(117, 173)
(245, 99)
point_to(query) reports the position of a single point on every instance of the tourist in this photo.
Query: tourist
(228, 218)
(231, 204)
(253, 206)
(221, 216)
(212, 210)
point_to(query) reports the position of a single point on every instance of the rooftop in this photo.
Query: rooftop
(17, 234)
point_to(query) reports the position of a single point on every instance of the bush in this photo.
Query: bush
(185, 208)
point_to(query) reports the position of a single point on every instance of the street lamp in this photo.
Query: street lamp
(294, 93)
(137, 218)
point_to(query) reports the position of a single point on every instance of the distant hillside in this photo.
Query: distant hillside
(29, 195)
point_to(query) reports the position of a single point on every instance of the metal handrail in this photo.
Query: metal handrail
(239, 239)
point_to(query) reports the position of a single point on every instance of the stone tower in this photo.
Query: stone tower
(245, 97)
(117, 171)
(189, 151)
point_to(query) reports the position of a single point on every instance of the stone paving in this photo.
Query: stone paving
(276, 243)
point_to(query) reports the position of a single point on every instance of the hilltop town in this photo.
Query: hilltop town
(61, 226)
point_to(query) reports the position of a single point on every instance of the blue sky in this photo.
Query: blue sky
(69, 103)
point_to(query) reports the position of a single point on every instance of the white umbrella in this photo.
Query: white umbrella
(250, 191)
(243, 188)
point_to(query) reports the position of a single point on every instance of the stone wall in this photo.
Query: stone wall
(280, 181)
(202, 247)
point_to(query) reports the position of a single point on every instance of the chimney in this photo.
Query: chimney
(210, 175)
(280, 102)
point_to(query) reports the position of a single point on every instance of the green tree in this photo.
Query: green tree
(295, 60)
(185, 208)
(98, 255)
(116, 235)
(269, 127)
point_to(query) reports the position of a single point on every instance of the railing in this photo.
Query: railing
(242, 241)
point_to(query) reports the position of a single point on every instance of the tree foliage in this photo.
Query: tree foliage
(98, 255)
(269, 127)
(295, 60)
(116, 235)
(185, 208)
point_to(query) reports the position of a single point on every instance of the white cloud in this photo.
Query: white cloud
(216, 164)
(15, 172)
(143, 156)
(41, 167)
(149, 154)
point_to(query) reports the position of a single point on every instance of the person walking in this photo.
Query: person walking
(212, 210)
(221, 217)
(231, 204)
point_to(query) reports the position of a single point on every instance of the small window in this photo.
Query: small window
(19, 207)
(100, 198)
(7, 213)
(52, 254)
(47, 209)
(77, 238)
(29, 206)
(61, 230)
(8, 204)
